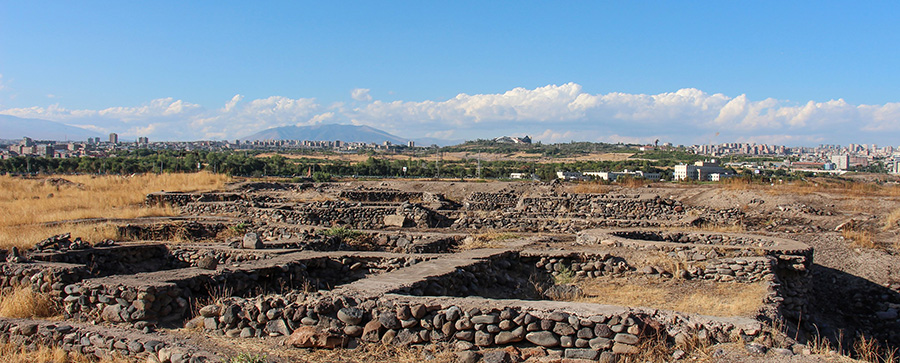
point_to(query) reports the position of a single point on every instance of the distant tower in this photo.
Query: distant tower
(113, 138)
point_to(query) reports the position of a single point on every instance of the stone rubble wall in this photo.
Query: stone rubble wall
(164, 302)
(380, 196)
(180, 199)
(328, 321)
(189, 231)
(483, 201)
(97, 343)
(115, 260)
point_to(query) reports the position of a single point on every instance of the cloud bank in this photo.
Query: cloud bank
(553, 113)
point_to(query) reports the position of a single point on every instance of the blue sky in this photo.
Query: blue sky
(800, 73)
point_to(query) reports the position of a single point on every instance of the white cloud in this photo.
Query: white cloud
(361, 94)
(553, 113)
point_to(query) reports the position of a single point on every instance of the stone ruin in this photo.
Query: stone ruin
(257, 264)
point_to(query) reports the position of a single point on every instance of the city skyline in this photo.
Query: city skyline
(798, 74)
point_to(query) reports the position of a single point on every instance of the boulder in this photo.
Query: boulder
(252, 241)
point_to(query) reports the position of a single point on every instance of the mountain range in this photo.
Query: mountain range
(13, 128)
(331, 132)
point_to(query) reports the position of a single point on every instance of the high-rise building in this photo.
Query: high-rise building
(841, 162)
(113, 138)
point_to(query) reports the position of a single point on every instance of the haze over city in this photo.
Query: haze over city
(803, 73)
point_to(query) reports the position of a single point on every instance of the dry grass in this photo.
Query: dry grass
(26, 236)
(23, 302)
(27, 202)
(13, 353)
(591, 188)
(701, 297)
(489, 239)
(859, 238)
(891, 219)
(839, 187)
(378, 353)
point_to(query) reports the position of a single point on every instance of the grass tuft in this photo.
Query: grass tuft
(23, 302)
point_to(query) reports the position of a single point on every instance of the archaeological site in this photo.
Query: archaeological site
(467, 272)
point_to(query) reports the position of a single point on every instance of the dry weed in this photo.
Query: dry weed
(27, 202)
(14, 353)
(699, 297)
(891, 219)
(490, 239)
(859, 238)
(23, 302)
(26, 236)
(591, 188)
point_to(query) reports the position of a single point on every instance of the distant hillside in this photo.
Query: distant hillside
(348, 133)
(15, 128)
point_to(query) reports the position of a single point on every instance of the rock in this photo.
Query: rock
(371, 331)
(252, 241)
(230, 314)
(395, 220)
(389, 321)
(626, 339)
(208, 263)
(563, 329)
(485, 319)
(351, 316)
(575, 353)
(756, 348)
(497, 356)
(209, 311)
(542, 338)
(28, 329)
(277, 327)
(353, 330)
(508, 337)
(467, 356)
(782, 351)
(620, 348)
(112, 314)
(313, 337)
(483, 339)
(602, 331)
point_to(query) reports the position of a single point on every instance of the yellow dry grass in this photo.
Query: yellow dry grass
(26, 236)
(859, 238)
(591, 188)
(26, 203)
(891, 219)
(23, 302)
(489, 239)
(700, 297)
(14, 353)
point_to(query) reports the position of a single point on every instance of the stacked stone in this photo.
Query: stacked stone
(239, 208)
(601, 206)
(583, 266)
(192, 231)
(482, 201)
(314, 324)
(128, 259)
(46, 278)
(380, 196)
(738, 270)
(161, 302)
(695, 238)
(125, 304)
(180, 199)
(326, 214)
(95, 342)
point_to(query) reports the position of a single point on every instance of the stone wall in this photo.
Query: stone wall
(149, 299)
(96, 342)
